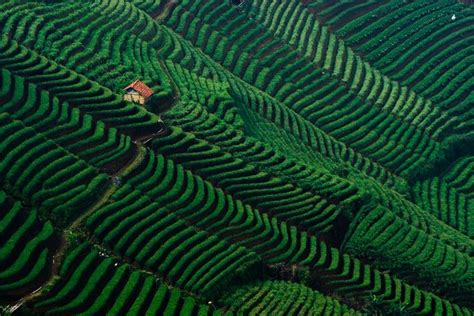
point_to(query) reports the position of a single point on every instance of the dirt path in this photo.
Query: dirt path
(160, 17)
(74, 227)
(56, 262)
(70, 230)
(110, 190)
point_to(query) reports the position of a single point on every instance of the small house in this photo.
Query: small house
(137, 92)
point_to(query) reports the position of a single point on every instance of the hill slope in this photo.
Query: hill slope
(296, 157)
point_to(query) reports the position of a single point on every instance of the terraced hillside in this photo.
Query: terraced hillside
(294, 157)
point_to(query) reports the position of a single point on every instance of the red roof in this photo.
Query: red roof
(141, 88)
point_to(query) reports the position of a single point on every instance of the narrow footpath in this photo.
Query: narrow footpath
(71, 230)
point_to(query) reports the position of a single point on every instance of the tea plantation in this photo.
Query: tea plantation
(236, 157)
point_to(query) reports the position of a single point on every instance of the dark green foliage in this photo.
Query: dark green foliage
(394, 244)
(283, 298)
(139, 229)
(315, 157)
(92, 284)
(68, 86)
(33, 169)
(78, 133)
(20, 229)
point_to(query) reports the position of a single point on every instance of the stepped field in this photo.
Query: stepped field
(236, 157)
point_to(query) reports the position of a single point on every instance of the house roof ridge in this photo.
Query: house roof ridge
(141, 88)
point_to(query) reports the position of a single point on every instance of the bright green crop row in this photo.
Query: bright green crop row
(312, 137)
(175, 48)
(394, 20)
(27, 246)
(447, 204)
(283, 298)
(424, 42)
(79, 134)
(411, 151)
(393, 244)
(460, 175)
(279, 131)
(261, 101)
(91, 55)
(252, 186)
(230, 139)
(442, 62)
(416, 215)
(34, 169)
(338, 13)
(365, 77)
(450, 197)
(273, 240)
(77, 90)
(93, 285)
(149, 5)
(138, 228)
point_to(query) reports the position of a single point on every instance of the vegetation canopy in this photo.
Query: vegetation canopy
(247, 157)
